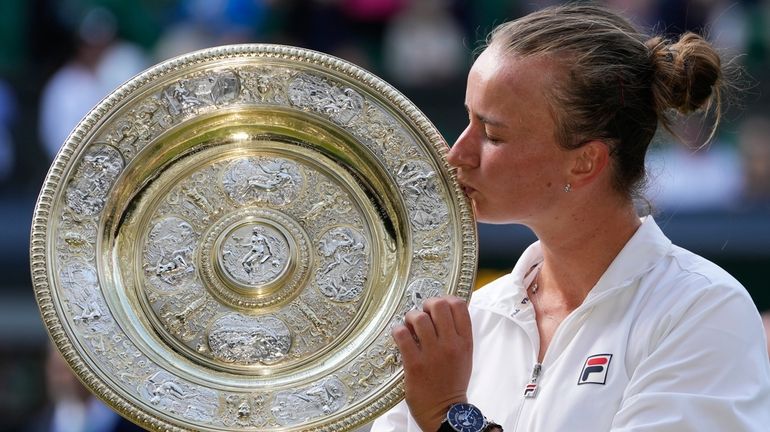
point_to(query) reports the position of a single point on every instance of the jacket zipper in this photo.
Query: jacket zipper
(530, 390)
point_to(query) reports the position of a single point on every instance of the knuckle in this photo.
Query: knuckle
(400, 332)
(456, 302)
(413, 315)
(436, 303)
(422, 319)
(402, 336)
(430, 303)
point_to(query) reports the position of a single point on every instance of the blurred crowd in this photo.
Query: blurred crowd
(59, 58)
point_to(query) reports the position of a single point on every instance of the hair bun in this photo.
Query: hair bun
(686, 73)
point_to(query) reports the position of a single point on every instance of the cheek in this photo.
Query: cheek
(516, 179)
(500, 162)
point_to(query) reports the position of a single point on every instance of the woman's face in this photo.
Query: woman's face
(508, 160)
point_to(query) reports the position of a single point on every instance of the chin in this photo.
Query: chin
(493, 219)
(483, 215)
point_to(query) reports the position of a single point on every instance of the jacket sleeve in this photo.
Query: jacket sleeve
(703, 367)
(395, 420)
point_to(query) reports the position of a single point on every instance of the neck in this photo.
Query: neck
(575, 255)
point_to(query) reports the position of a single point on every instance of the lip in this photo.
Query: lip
(467, 189)
(464, 184)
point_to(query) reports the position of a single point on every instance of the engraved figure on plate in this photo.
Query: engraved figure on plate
(196, 199)
(432, 253)
(418, 182)
(244, 340)
(150, 119)
(255, 254)
(81, 286)
(172, 396)
(422, 289)
(93, 179)
(341, 105)
(77, 238)
(265, 85)
(124, 137)
(184, 316)
(245, 410)
(275, 181)
(377, 365)
(342, 274)
(322, 398)
(186, 95)
(329, 201)
(169, 253)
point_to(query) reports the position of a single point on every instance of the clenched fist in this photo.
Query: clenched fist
(437, 348)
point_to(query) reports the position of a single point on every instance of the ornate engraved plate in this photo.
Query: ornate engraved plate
(226, 241)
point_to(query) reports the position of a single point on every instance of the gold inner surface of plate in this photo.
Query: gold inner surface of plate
(253, 251)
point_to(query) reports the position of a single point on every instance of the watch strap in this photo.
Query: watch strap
(489, 426)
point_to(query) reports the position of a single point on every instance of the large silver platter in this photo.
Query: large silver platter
(226, 241)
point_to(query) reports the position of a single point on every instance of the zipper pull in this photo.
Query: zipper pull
(530, 391)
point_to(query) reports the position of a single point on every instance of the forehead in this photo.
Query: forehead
(515, 87)
(517, 73)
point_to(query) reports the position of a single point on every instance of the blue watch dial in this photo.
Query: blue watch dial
(465, 418)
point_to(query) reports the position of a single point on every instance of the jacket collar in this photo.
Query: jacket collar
(640, 254)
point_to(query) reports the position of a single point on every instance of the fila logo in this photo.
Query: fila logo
(595, 369)
(530, 390)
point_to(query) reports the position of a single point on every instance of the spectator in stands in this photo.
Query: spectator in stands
(423, 45)
(687, 176)
(101, 63)
(72, 408)
(754, 146)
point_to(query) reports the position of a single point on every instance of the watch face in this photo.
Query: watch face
(465, 418)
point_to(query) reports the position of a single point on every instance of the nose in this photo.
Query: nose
(463, 153)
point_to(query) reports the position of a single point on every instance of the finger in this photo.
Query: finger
(441, 314)
(422, 326)
(406, 344)
(461, 316)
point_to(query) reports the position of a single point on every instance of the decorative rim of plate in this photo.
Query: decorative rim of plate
(77, 141)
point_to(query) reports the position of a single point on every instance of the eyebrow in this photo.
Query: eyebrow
(486, 120)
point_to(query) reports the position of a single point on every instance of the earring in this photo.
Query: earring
(567, 187)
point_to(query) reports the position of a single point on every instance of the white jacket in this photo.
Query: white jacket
(665, 341)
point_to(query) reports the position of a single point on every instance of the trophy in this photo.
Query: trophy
(226, 241)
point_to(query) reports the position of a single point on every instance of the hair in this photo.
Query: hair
(618, 84)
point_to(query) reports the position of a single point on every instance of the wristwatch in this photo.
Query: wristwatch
(464, 417)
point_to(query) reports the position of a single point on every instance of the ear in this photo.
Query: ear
(591, 160)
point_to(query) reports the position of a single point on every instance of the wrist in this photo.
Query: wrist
(465, 417)
(431, 419)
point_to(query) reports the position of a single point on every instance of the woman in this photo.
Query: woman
(603, 324)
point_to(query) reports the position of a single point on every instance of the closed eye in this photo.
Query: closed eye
(492, 138)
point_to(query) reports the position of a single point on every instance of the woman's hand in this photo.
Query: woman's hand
(437, 349)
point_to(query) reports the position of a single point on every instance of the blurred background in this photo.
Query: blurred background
(58, 58)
